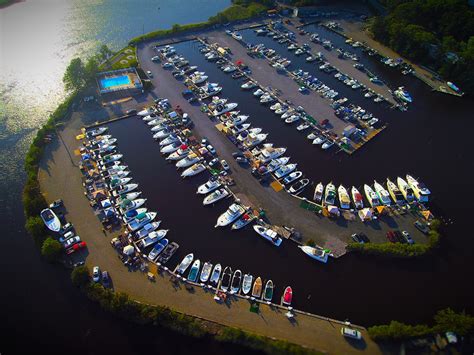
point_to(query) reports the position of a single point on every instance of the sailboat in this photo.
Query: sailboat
(394, 192)
(318, 192)
(344, 199)
(406, 190)
(357, 198)
(371, 196)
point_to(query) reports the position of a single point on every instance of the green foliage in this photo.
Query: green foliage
(105, 52)
(238, 12)
(51, 249)
(80, 276)
(398, 331)
(311, 242)
(164, 33)
(35, 226)
(396, 250)
(448, 320)
(73, 78)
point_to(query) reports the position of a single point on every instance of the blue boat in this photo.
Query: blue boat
(157, 249)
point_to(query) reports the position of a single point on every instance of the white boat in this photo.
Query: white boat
(193, 170)
(266, 98)
(157, 249)
(403, 95)
(248, 85)
(117, 169)
(254, 139)
(406, 190)
(152, 238)
(303, 126)
(209, 186)
(215, 196)
(130, 215)
(226, 278)
(242, 221)
(221, 109)
(50, 220)
(229, 69)
(236, 129)
(268, 234)
(129, 196)
(292, 119)
(270, 153)
(118, 182)
(145, 112)
(216, 274)
(295, 175)
(188, 161)
(182, 152)
(97, 131)
(236, 281)
(157, 121)
(258, 92)
(419, 189)
(284, 170)
(276, 163)
(371, 196)
(126, 189)
(162, 134)
(344, 200)
(168, 140)
(330, 194)
(111, 158)
(275, 107)
(357, 198)
(170, 148)
(119, 174)
(394, 192)
(328, 144)
(318, 140)
(194, 271)
(157, 128)
(312, 136)
(184, 264)
(140, 220)
(247, 284)
(205, 272)
(318, 192)
(315, 253)
(383, 194)
(147, 229)
(280, 111)
(128, 205)
(237, 36)
(233, 212)
(298, 186)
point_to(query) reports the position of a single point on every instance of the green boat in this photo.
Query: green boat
(268, 292)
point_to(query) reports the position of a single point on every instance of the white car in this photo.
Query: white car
(225, 166)
(407, 237)
(351, 333)
(211, 149)
(66, 236)
(149, 73)
(71, 241)
(96, 274)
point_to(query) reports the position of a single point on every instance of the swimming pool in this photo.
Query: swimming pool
(108, 83)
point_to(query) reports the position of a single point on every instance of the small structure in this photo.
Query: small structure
(122, 80)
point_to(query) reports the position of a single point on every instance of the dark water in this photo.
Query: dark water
(365, 290)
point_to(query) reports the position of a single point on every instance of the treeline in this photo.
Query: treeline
(123, 306)
(436, 33)
(445, 320)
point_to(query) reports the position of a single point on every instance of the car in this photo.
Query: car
(66, 236)
(399, 237)
(351, 333)
(422, 227)
(56, 204)
(105, 279)
(237, 154)
(407, 237)
(96, 274)
(204, 141)
(71, 241)
(225, 166)
(155, 58)
(66, 228)
(364, 238)
(211, 149)
(391, 236)
(76, 247)
(149, 74)
(214, 162)
(355, 238)
(131, 112)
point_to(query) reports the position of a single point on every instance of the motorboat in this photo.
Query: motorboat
(287, 296)
(146, 112)
(327, 144)
(168, 140)
(255, 139)
(193, 170)
(280, 111)
(318, 193)
(312, 136)
(258, 92)
(298, 186)
(130, 215)
(394, 192)
(234, 211)
(117, 182)
(270, 153)
(371, 196)
(199, 79)
(268, 234)
(236, 129)
(182, 152)
(205, 272)
(315, 253)
(403, 95)
(276, 163)
(276, 106)
(236, 281)
(237, 36)
(129, 196)
(248, 85)
(119, 174)
(303, 126)
(229, 69)
(318, 140)
(330, 194)
(117, 169)
(419, 189)
(284, 170)
(216, 274)
(209, 186)
(226, 278)
(111, 158)
(266, 98)
(50, 220)
(170, 148)
(221, 109)
(268, 291)
(128, 205)
(215, 196)
(295, 175)
(292, 119)
(240, 119)
(152, 238)
(194, 271)
(357, 198)
(162, 134)
(140, 220)
(242, 221)
(126, 188)
(188, 161)
(344, 200)
(157, 249)
(406, 190)
(247, 284)
(96, 132)
(257, 288)
(167, 253)
(383, 194)
(184, 264)
(147, 229)
(106, 148)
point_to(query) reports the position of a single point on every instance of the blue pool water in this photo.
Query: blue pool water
(108, 83)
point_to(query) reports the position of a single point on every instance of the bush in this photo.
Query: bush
(311, 243)
(398, 331)
(51, 249)
(449, 321)
(80, 276)
(35, 226)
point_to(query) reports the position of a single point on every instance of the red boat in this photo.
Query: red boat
(287, 296)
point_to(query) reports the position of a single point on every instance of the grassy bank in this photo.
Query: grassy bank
(399, 250)
(123, 306)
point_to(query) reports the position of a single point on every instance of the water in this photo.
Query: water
(117, 81)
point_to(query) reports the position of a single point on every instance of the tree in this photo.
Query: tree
(105, 52)
(90, 70)
(176, 27)
(51, 249)
(80, 276)
(449, 321)
(73, 78)
(35, 226)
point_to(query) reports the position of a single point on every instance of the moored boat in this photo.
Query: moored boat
(344, 200)
(298, 186)
(226, 278)
(357, 198)
(371, 196)
(205, 272)
(257, 288)
(234, 211)
(209, 186)
(383, 194)
(295, 175)
(157, 249)
(330, 194)
(215, 196)
(184, 264)
(315, 253)
(141, 220)
(194, 271)
(394, 192)
(247, 284)
(406, 190)
(284, 170)
(268, 234)
(318, 192)
(242, 221)
(216, 274)
(50, 220)
(147, 229)
(268, 292)
(193, 170)
(287, 296)
(419, 189)
(236, 281)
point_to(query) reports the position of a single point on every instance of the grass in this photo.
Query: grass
(120, 61)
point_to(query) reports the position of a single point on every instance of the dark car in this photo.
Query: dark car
(355, 238)
(131, 112)
(399, 237)
(391, 236)
(105, 279)
(422, 227)
(364, 238)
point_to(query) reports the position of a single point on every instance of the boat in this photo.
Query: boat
(129, 196)
(182, 152)
(315, 253)
(454, 87)
(237, 36)
(266, 98)
(295, 175)
(247, 284)
(280, 111)
(233, 212)
(383, 194)
(258, 92)
(284, 170)
(270, 153)
(193, 273)
(371, 196)
(254, 139)
(257, 288)
(170, 148)
(184, 264)
(216, 274)
(209, 186)
(111, 158)
(276, 163)
(147, 229)
(330, 194)
(357, 198)
(318, 140)
(275, 106)
(287, 296)
(118, 182)
(318, 192)
(130, 215)
(292, 119)
(50, 220)
(168, 140)
(152, 238)
(403, 95)
(406, 190)
(298, 186)
(312, 136)
(344, 200)
(328, 144)
(268, 292)
(162, 134)
(205, 272)
(168, 251)
(116, 169)
(140, 220)
(242, 221)
(145, 112)
(119, 174)
(193, 170)
(126, 188)
(188, 161)
(157, 249)
(268, 234)
(419, 189)
(215, 196)
(394, 192)
(226, 278)
(236, 281)
(303, 126)
(96, 132)
(248, 85)
(221, 109)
